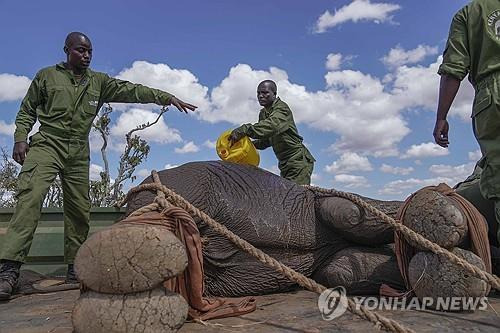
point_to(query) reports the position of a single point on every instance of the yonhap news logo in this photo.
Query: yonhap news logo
(332, 303)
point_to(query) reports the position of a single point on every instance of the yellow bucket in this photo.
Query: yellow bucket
(242, 151)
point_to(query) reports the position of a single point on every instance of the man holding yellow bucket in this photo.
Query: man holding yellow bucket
(276, 128)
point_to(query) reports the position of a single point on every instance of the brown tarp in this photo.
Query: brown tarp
(478, 233)
(190, 283)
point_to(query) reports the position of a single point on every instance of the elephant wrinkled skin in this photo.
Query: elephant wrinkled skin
(327, 238)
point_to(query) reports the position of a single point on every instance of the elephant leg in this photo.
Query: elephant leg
(354, 224)
(243, 275)
(361, 270)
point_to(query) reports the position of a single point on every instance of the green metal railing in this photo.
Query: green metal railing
(47, 250)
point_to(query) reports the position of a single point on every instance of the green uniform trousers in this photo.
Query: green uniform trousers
(469, 189)
(299, 168)
(486, 124)
(49, 156)
(300, 175)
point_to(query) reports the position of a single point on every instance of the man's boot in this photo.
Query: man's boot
(71, 275)
(9, 275)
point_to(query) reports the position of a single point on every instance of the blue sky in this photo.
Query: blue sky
(360, 77)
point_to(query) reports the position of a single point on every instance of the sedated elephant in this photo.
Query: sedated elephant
(327, 238)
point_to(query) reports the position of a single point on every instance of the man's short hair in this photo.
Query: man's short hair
(272, 84)
(70, 38)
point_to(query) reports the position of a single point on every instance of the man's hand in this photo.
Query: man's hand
(441, 132)
(19, 152)
(182, 106)
(235, 136)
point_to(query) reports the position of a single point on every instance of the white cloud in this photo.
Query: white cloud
(459, 172)
(234, 99)
(13, 87)
(428, 149)
(333, 61)
(400, 187)
(143, 173)
(349, 162)
(170, 166)
(399, 56)
(448, 174)
(180, 82)
(475, 155)
(7, 129)
(403, 188)
(130, 119)
(189, 147)
(396, 170)
(95, 171)
(418, 86)
(350, 100)
(357, 10)
(315, 179)
(351, 181)
(209, 144)
(95, 141)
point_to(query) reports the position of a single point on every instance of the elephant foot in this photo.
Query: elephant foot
(437, 218)
(352, 223)
(361, 270)
(435, 277)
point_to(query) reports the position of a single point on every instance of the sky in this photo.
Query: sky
(359, 75)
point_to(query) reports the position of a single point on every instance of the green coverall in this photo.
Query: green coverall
(473, 48)
(65, 109)
(470, 190)
(276, 128)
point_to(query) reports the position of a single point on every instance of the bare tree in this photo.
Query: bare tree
(103, 192)
(8, 180)
(54, 197)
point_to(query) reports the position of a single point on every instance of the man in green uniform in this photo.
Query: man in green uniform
(473, 48)
(65, 99)
(276, 128)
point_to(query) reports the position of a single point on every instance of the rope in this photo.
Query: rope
(177, 200)
(492, 279)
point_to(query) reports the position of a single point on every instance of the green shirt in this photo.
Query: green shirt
(473, 45)
(66, 108)
(276, 128)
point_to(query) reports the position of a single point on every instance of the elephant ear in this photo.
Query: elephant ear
(353, 223)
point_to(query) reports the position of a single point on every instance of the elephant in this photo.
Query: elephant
(327, 238)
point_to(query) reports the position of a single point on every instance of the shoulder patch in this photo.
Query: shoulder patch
(494, 22)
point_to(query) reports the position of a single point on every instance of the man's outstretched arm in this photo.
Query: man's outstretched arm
(448, 89)
(116, 90)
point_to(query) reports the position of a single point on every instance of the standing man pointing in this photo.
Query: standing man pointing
(473, 48)
(65, 99)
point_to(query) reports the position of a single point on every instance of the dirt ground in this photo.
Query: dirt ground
(290, 312)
